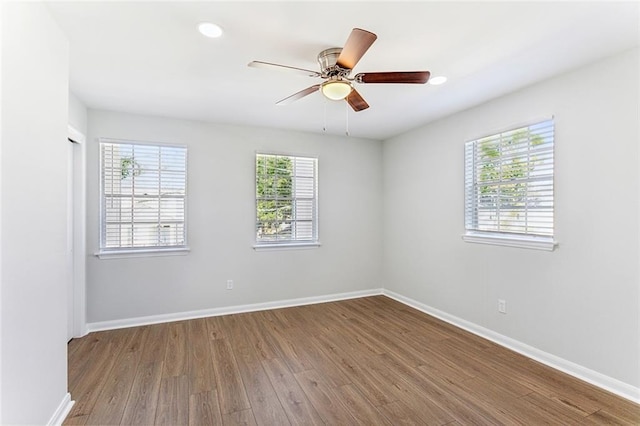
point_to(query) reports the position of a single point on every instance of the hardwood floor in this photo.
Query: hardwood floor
(364, 361)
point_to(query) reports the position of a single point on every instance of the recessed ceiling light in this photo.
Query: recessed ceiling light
(208, 29)
(437, 80)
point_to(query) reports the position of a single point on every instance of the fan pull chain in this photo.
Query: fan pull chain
(324, 123)
(346, 113)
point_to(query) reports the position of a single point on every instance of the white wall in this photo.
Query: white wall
(581, 302)
(33, 218)
(221, 221)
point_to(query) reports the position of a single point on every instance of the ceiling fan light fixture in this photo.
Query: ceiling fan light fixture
(336, 90)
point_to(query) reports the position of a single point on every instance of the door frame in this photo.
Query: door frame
(79, 214)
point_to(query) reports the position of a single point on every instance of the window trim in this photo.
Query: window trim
(507, 239)
(149, 251)
(142, 252)
(510, 240)
(287, 244)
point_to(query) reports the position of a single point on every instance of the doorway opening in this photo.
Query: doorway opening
(76, 229)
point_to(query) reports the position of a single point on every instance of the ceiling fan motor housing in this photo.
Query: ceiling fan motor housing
(327, 60)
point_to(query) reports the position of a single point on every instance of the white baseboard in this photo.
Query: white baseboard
(62, 411)
(610, 384)
(180, 316)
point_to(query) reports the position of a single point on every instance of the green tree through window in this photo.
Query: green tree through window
(285, 198)
(502, 177)
(509, 182)
(273, 194)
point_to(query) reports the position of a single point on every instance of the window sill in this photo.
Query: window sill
(285, 246)
(151, 252)
(510, 241)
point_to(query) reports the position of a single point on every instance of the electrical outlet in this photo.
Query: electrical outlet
(502, 306)
(229, 284)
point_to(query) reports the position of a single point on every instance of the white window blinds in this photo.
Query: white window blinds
(143, 190)
(286, 199)
(509, 182)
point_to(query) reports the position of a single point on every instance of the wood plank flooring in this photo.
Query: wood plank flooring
(368, 361)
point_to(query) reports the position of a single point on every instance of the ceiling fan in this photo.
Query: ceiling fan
(336, 65)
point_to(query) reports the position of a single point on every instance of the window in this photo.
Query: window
(509, 187)
(286, 200)
(143, 197)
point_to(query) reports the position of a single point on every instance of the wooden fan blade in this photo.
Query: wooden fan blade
(299, 95)
(260, 64)
(405, 77)
(356, 101)
(357, 44)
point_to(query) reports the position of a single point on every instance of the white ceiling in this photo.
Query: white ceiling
(148, 57)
